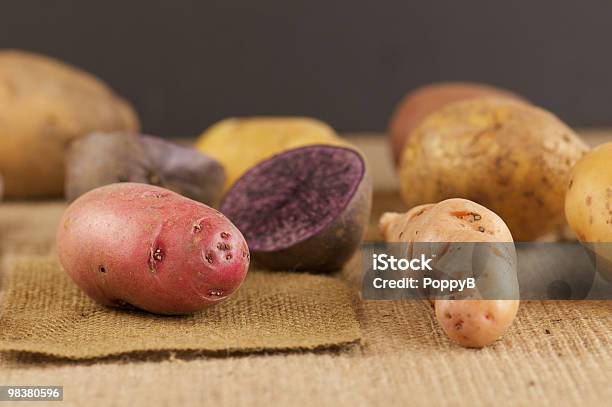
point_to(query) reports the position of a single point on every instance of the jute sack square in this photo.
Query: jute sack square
(28, 228)
(44, 312)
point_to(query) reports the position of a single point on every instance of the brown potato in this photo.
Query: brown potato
(511, 157)
(416, 105)
(44, 105)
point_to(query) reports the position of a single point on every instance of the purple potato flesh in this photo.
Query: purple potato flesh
(304, 209)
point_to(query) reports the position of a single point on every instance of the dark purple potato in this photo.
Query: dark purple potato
(186, 170)
(107, 158)
(304, 209)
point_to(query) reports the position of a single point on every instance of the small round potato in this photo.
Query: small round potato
(511, 157)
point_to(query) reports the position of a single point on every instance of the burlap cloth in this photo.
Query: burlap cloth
(556, 353)
(44, 312)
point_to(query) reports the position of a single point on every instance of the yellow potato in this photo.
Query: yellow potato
(241, 143)
(511, 157)
(588, 202)
(44, 104)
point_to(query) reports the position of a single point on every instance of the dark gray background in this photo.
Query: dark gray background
(186, 63)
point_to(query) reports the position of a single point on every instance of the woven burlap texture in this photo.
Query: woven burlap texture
(45, 313)
(28, 228)
(555, 354)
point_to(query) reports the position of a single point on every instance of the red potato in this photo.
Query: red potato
(136, 245)
(470, 323)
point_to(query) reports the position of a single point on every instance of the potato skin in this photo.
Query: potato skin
(470, 323)
(44, 104)
(241, 143)
(442, 222)
(416, 105)
(105, 158)
(475, 323)
(588, 203)
(185, 170)
(100, 159)
(510, 157)
(136, 245)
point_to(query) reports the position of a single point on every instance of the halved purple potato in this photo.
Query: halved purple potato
(303, 209)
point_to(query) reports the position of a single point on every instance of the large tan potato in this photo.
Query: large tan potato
(511, 157)
(419, 103)
(44, 104)
(241, 143)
